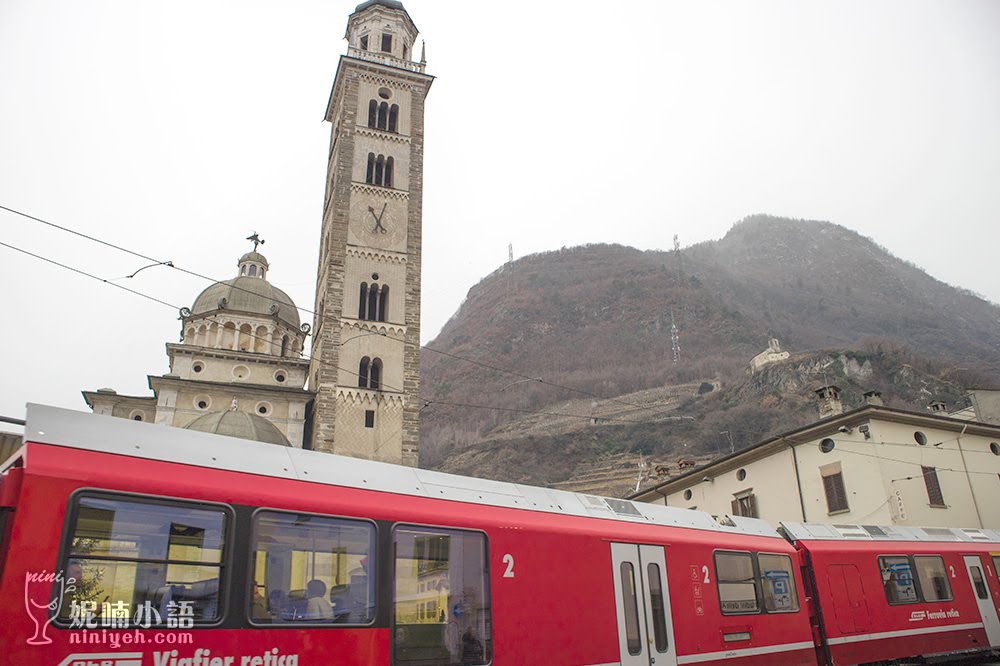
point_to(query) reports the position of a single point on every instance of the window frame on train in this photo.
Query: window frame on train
(227, 547)
(370, 572)
(486, 636)
(758, 583)
(791, 582)
(921, 583)
(754, 578)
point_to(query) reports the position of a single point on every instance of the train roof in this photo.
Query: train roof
(821, 532)
(116, 436)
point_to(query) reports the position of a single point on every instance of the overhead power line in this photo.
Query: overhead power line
(171, 264)
(305, 357)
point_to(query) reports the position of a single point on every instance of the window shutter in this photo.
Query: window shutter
(934, 494)
(753, 506)
(736, 507)
(836, 494)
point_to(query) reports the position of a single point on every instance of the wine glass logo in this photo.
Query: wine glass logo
(42, 606)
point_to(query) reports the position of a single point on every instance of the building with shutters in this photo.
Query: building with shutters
(874, 465)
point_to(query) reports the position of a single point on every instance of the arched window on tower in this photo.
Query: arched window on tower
(372, 303)
(379, 170)
(253, 271)
(383, 115)
(363, 301)
(372, 113)
(383, 302)
(363, 368)
(284, 345)
(375, 375)
(393, 118)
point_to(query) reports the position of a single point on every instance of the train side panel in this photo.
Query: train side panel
(551, 584)
(856, 580)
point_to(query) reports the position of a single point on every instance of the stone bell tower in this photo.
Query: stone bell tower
(366, 335)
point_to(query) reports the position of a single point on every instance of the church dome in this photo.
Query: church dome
(241, 425)
(248, 292)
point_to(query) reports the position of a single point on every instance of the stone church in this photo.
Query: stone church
(239, 369)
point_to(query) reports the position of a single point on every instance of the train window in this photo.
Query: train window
(737, 583)
(933, 578)
(996, 564)
(897, 580)
(311, 569)
(144, 562)
(979, 583)
(441, 597)
(656, 601)
(778, 583)
(632, 639)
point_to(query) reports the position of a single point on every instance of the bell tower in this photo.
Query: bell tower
(366, 334)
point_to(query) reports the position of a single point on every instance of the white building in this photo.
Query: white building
(873, 465)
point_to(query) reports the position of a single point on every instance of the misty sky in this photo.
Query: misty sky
(178, 128)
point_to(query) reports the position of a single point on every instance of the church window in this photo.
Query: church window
(363, 372)
(364, 42)
(406, 52)
(369, 418)
(202, 402)
(393, 117)
(363, 301)
(383, 302)
(197, 367)
(386, 42)
(383, 115)
(379, 170)
(243, 269)
(384, 93)
(370, 373)
(372, 113)
(284, 345)
(387, 177)
(263, 408)
(372, 303)
(280, 377)
(253, 271)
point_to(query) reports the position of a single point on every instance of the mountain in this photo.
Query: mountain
(586, 332)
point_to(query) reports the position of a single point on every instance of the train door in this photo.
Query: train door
(983, 598)
(642, 601)
(849, 605)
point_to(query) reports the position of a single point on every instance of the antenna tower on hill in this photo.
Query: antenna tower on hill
(677, 255)
(675, 338)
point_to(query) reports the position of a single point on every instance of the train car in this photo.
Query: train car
(889, 592)
(132, 544)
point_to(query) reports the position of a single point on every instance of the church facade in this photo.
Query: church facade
(238, 369)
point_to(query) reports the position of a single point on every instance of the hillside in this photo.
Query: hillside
(573, 331)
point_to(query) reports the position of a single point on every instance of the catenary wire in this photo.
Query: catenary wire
(172, 265)
(338, 368)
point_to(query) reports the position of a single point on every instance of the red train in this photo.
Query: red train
(129, 544)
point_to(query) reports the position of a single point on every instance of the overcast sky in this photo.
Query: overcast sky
(178, 128)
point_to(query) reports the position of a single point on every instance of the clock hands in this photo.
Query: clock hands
(379, 229)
